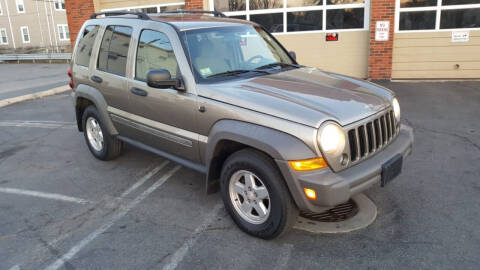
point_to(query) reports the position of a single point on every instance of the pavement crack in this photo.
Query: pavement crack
(462, 137)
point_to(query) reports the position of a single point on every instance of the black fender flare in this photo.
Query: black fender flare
(92, 94)
(277, 144)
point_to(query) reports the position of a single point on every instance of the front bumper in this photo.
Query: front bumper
(336, 188)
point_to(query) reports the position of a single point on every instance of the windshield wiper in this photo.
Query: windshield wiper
(276, 64)
(236, 72)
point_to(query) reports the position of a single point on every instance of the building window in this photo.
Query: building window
(20, 6)
(437, 15)
(285, 16)
(25, 34)
(63, 32)
(1, 9)
(152, 8)
(3, 36)
(59, 4)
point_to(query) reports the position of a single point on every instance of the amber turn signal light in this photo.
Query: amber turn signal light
(310, 193)
(308, 164)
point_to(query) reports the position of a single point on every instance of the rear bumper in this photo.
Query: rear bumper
(336, 188)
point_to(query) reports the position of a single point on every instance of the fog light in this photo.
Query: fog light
(308, 164)
(310, 193)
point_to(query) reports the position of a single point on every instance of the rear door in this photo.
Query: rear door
(109, 74)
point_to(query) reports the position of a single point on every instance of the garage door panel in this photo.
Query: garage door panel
(433, 55)
(434, 42)
(429, 54)
(437, 66)
(440, 74)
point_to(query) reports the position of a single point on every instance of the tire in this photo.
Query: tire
(111, 146)
(282, 212)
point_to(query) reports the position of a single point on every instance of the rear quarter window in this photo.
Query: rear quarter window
(85, 45)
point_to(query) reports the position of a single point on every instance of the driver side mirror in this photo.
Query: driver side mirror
(161, 78)
(293, 55)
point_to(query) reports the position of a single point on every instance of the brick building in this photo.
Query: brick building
(378, 39)
(33, 26)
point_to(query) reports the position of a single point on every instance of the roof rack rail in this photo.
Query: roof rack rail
(197, 11)
(140, 15)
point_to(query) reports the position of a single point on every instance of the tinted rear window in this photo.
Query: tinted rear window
(112, 56)
(85, 45)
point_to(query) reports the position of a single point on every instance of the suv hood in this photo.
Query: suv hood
(304, 95)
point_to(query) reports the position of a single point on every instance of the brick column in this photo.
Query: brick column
(78, 11)
(380, 60)
(193, 4)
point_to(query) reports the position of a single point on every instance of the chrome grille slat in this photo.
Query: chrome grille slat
(389, 127)
(357, 144)
(380, 137)
(371, 136)
(384, 129)
(367, 143)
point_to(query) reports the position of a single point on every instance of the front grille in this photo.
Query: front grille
(371, 136)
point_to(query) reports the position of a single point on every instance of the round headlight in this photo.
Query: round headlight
(396, 109)
(332, 139)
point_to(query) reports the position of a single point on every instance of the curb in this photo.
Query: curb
(53, 91)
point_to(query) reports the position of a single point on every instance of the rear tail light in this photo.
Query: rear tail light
(69, 72)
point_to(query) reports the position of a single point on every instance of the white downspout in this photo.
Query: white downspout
(39, 24)
(54, 26)
(48, 23)
(10, 24)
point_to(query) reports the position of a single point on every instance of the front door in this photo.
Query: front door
(166, 117)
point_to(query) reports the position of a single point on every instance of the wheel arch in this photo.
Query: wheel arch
(229, 136)
(85, 96)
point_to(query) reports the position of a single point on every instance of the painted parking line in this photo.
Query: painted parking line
(150, 173)
(137, 184)
(120, 214)
(45, 195)
(37, 124)
(178, 256)
(142, 180)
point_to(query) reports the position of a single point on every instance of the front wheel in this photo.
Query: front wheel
(255, 195)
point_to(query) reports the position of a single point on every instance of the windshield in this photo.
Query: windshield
(227, 52)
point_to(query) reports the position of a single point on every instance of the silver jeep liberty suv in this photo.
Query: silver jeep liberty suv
(223, 97)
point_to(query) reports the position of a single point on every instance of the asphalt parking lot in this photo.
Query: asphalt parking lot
(60, 208)
(23, 79)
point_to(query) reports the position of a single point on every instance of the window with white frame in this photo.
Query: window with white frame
(63, 33)
(153, 8)
(25, 34)
(20, 6)
(283, 16)
(3, 36)
(437, 15)
(59, 4)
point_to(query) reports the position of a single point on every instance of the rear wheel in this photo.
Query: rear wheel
(255, 195)
(101, 144)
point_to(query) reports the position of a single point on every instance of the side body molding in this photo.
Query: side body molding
(278, 145)
(94, 95)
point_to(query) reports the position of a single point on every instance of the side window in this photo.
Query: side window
(112, 56)
(154, 52)
(85, 45)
